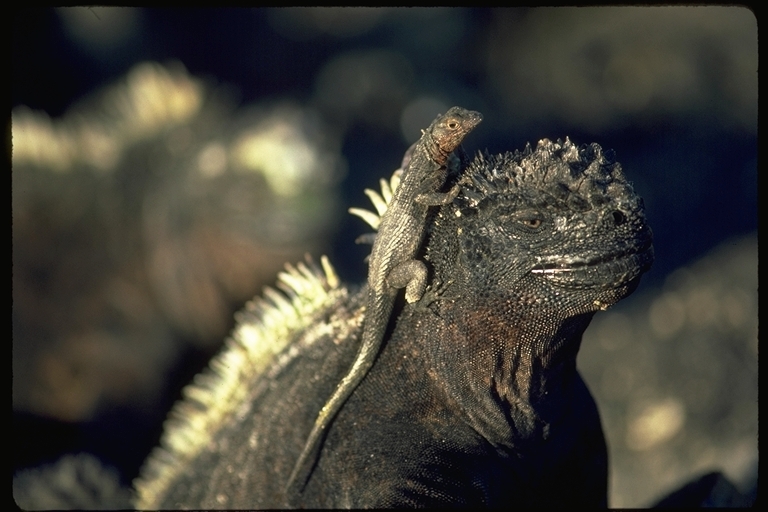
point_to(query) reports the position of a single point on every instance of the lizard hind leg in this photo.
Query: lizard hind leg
(411, 275)
(435, 292)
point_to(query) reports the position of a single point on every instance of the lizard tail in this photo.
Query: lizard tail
(308, 458)
(309, 455)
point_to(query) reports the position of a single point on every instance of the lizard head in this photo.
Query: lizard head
(557, 224)
(448, 130)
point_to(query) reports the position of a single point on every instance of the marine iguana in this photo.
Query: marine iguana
(474, 399)
(392, 263)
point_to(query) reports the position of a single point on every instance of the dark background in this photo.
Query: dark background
(673, 91)
(690, 147)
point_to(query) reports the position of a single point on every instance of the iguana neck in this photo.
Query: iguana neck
(509, 373)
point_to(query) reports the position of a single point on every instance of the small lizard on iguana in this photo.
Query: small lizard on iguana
(392, 264)
(473, 401)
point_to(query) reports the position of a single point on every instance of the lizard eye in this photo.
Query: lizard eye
(453, 125)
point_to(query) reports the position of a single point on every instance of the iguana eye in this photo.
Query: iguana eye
(453, 125)
(532, 223)
(529, 221)
(524, 222)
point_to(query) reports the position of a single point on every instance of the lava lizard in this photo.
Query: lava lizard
(392, 264)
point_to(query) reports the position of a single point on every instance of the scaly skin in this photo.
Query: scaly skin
(474, 400)
(392, 265)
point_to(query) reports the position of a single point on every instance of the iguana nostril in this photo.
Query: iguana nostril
(619, 218)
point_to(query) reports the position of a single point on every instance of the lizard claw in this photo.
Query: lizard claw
(434, 293)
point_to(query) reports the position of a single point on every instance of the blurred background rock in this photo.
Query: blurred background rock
(166, 163)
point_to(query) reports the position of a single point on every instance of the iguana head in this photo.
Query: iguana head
(449, 129)
(559, 223)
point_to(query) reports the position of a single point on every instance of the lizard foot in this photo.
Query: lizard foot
(434, 293)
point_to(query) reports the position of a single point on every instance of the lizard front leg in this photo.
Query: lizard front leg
(437, 198)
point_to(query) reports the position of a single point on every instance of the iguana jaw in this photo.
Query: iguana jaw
(598, 272)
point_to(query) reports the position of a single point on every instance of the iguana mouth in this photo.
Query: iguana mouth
(603, 272)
